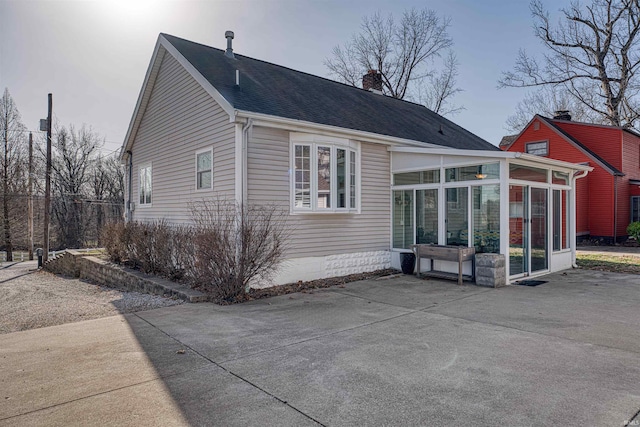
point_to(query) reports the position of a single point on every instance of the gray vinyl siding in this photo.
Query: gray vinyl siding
(179, 120)
(322, 234)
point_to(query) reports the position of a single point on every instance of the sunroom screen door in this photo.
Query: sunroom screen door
(528, 230)
(518, 230)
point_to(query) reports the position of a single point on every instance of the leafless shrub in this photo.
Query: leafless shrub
(114, 238)
(236, 244)
(227, 247)
(151, 248)
(182, 253)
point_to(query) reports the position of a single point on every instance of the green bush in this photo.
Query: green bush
(633, 230)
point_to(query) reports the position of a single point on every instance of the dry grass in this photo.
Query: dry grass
(611, 263)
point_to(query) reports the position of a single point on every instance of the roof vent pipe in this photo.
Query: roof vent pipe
(229, 52)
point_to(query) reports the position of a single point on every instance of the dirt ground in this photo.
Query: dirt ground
(32, 299)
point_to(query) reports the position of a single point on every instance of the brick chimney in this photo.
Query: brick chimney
(372, 81)
(562, 115)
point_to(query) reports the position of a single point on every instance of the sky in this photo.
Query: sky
(92, 55)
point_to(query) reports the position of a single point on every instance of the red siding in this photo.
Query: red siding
(582, 206)
(631, 169)
(594, 193)
(600, 202)
(605, 141)
(631, 155)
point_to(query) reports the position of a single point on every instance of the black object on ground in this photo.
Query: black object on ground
(408, 262)
(530, 282)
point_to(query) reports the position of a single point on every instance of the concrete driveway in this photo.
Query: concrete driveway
(379, 352)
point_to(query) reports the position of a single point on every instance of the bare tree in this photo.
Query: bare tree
(404, 53)
(592, 54)
(74, 153)
(440, 88)
(107, 189)
(546, 102)
(13, 170)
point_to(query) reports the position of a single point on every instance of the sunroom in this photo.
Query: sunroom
(515, 204)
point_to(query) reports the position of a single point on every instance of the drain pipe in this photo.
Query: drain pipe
(573, 208)
(129, 213)
(246, 129)
(615, 210)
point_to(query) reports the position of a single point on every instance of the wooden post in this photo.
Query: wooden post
(30, 213)
(47, 189)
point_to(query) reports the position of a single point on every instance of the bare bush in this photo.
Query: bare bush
(236, 244)
(227, 247)
(182, 253)
(114, 238)
(151, 247)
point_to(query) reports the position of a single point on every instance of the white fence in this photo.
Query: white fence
(19, 256)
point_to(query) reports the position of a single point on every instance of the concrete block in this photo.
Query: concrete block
(490, 260)
(496, 282)
(486, 272)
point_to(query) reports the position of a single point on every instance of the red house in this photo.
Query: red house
(608, 199)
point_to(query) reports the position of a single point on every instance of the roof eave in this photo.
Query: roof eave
(145, 90)
(516, 155)
(163, 45)
(267, 120)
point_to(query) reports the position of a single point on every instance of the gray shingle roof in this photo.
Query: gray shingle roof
(279, 91)
(507, 140)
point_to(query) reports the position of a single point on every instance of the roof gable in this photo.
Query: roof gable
(278, 91)
(579, 145)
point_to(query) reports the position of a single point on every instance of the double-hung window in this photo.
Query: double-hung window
(145, 185)
(204, 169)
(325, 174)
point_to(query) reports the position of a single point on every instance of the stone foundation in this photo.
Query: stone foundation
(359, 262)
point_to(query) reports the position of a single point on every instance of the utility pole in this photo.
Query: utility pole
(5, 197)
(47, 186)
(30, 196)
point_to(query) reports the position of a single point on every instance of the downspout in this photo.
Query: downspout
(615, 209)
(129, 214)
(245, 141)
(574, 218)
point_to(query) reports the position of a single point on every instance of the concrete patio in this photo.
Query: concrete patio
(396, 351)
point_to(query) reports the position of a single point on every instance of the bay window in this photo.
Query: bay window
(325, 174)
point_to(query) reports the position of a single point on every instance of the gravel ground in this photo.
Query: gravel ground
(32, 299)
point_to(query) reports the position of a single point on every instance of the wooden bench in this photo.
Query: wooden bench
(457, 254)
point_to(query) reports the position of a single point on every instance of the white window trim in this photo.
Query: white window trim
(546, 146)
(144, 166)
(314, 141)
(204, 150)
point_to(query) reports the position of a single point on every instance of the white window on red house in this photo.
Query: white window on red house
(537, 148)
